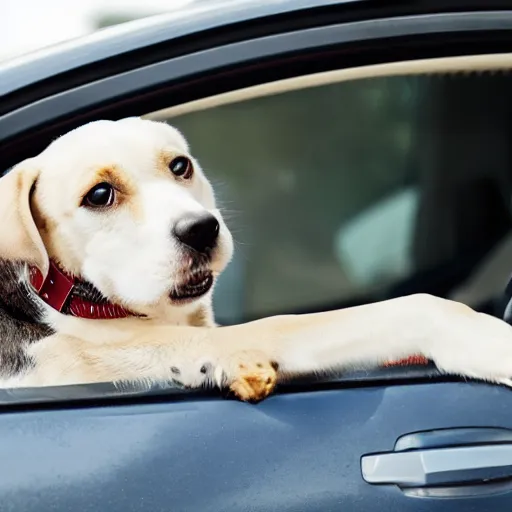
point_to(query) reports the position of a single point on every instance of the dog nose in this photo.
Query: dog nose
(200, 232)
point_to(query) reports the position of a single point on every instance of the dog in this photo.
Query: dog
(110, 246)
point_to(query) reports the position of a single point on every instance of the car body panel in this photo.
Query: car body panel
(293, 452)
(200, 16)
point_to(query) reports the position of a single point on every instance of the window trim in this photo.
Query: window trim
(464, 64)
(107, 393)
(114, 96)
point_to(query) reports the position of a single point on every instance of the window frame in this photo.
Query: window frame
(236, 65)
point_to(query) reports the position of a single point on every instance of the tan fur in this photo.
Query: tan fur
(178, 342)
(20, 238)
(126, 190)
(200, 318)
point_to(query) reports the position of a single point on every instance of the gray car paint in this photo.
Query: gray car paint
(192, 19)
(292, 452)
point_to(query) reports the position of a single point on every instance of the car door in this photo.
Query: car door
(352, 142)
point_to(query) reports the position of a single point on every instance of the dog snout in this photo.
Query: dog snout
(197, 231)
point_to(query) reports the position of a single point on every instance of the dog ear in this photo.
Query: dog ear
(19, 237)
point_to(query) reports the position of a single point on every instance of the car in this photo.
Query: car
(361, 151)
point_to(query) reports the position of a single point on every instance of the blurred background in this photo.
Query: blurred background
(27, 25)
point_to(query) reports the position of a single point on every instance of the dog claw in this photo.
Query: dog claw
(219, 377)
(250, 376)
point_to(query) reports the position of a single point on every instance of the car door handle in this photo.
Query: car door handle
(446, 466)
(475, 455)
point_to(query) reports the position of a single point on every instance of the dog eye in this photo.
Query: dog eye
(100, 195)
(181, 166)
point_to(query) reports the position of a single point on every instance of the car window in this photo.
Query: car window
(358, 191)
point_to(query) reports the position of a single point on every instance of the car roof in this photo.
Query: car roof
(197, 17)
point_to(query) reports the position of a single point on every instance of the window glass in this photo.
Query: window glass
(352, 192)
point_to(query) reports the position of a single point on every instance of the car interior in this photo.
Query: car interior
(354, 191)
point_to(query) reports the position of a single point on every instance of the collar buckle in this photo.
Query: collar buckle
(55, 289)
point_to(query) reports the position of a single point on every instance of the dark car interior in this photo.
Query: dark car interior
(353, 192)
(464, 219)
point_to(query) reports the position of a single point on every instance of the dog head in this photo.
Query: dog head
(124, 206)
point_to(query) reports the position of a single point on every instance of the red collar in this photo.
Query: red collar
(416, 360)
(57, 290)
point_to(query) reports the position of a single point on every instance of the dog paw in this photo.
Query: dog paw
(249, 375)
(483, 351)
(191, 375)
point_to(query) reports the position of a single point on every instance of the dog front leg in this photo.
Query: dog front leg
(189, 356)
(249, 358)
(246, 357)
(459, 340)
